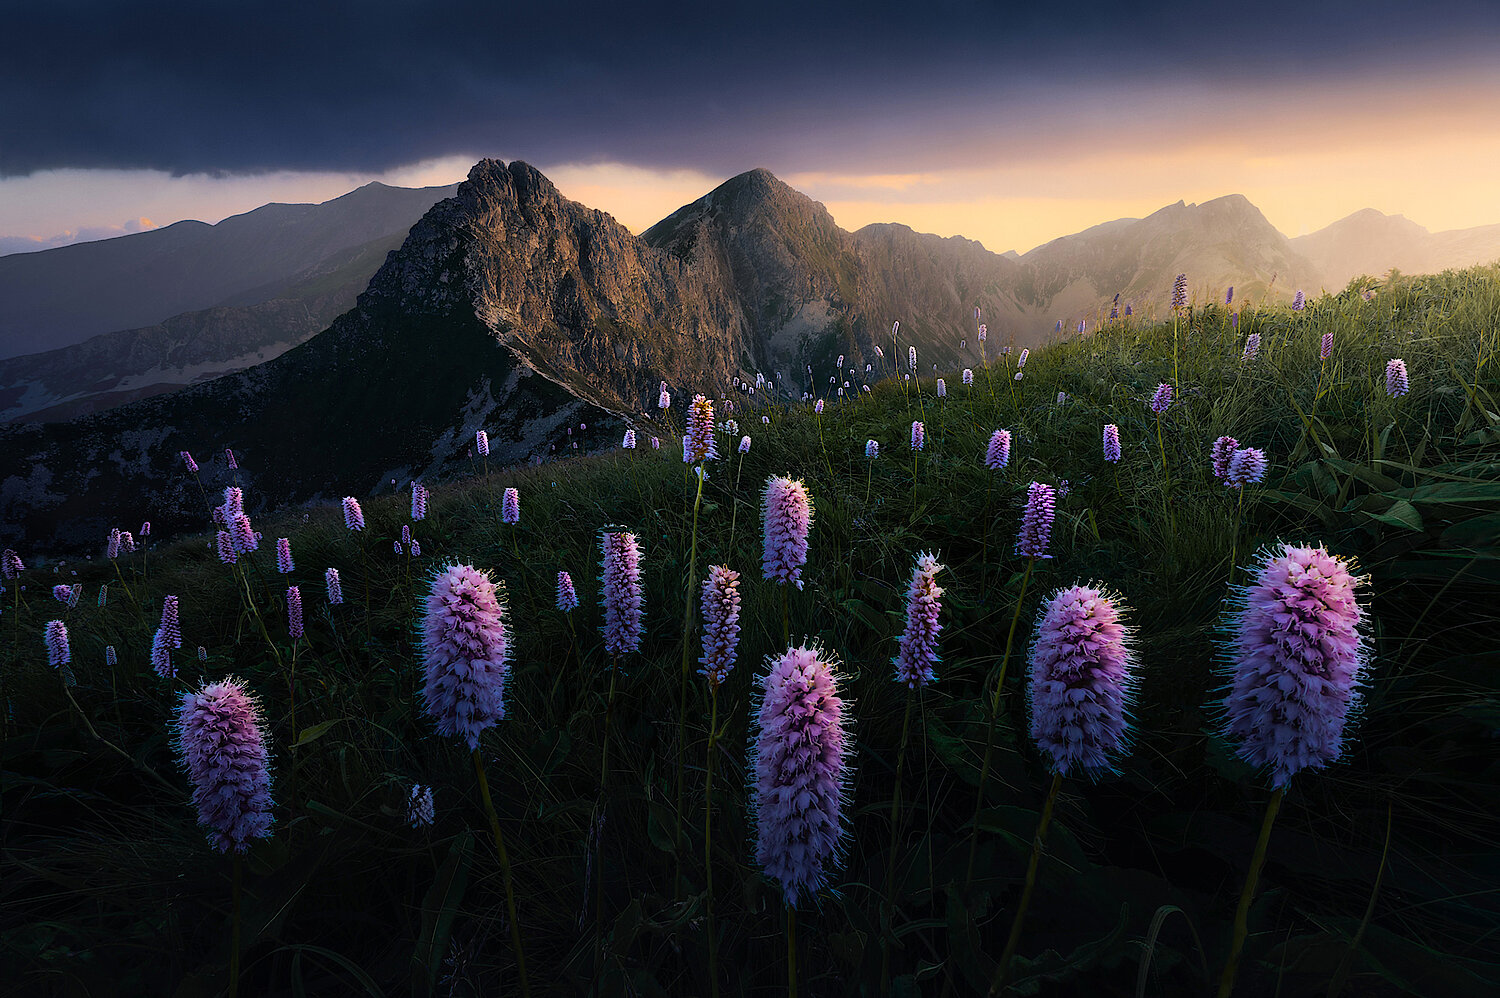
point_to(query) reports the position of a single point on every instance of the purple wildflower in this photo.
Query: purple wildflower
(1219, 455)
(567, 597)
(1326, 350)
(482, 443)
(61, 593)
(405, 533)
(1058, 327)
(872, 449)
(1246, 465)
(127, 542)
(1396, 383)
(146, 529)
(202, 654)
(1229, 296)
(997, 455)
(1298, 648)
(1179, 292)
(187, 459)
(229, 456)
(335, 587)
(787, 516)
(624, 599)
(56, 639)
(942, 388)
(10, 564)
(656, 443)
(1081, 682)
(354, 517)
(1128, 310)
(1111, 442)
(1252, 348)
(171, 626)
(419, 809)
(800, 771)
(911, 359)
(221, 745)
(1299, 301)
(818, 407)
(664, 400)
(234, 503)
(284, 563)
(698, 442)
(110, 658)
(1036, 522)
(510, 506)
(243, 535)
(918, 435)
(968, 376)
(225, 545)
(112, 547)
(629, 441)
(1081, 325)
(418, 501)
(294, 611)
(745, 444)
(1025, 352)
(103, 595)
(917, 652)
(721, 622)
(465, 650)
(984, 331)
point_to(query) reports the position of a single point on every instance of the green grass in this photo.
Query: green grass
(109, 887)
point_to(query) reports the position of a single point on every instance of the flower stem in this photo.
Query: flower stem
(989, 735)
(708, 832)
(791, 951)
(1242, 913)
(890, 870)
(510, 895)
(1003, 973)
(234, 932)
(687, 649)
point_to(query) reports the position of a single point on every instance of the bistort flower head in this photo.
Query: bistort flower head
(1396, 383)
(229, 457)
(872, 449)
(1111, 443)
(1297, 650)
(1326, 350)
(918, 435)
(622, 592)
(294, 611)
(56, 639)
(1246, 465)
(510, 506)
(942, 388)
(482, 443)
(354, 517)
(220, 743)
(284, 563)
(629, 442)
(465, 652)
(745, 444)
(1252, 348)
(721, 622)
(1161, 401)
(968, 376)
(917, 652)
(335, 587)
(1219, 455)
(234, 503)
(1179, 292)
(1036, 522)
(10, 564)
(786, 517)
(997, 455)
(1229, 296)
(1299, 301)
(419, 810)
(567, 597)
(698, 443)
(1081, 682)
(187, 459)
(800, 771)
(243, 535)
(418, 501)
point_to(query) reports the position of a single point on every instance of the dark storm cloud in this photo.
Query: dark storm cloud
(210, 86)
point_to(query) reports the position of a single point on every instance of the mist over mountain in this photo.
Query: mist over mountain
(1371, 242)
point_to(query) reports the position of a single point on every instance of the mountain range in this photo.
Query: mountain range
(510, 308)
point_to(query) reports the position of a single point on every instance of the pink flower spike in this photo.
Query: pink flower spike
(294, 611)
(284, 555)
(917, 652)
(10, 564)
(418, 501)
(567, 596)
(1111, 443)
(721, 623)
(354, 517)
(221, 745)
(698, 444)
(1036, 522)
(624, 599)
(918, 435)
(1396, 382)
(56, 639)
(243, 535)
(1298, 650)
(465, 649)
(1081, 680)
(787, 516)
(510, 507)
(419, 809)
(187, 460)
(1246, 466)
(1219, 455)
(335, 587)
(482, 443)
(997, 455)
(799, 771)
(225, 545)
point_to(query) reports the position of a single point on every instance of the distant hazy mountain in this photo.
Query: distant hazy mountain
(63, 296)
(1369, 242)
(1223, 242)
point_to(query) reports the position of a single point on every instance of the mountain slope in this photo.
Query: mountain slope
(1370, 242)
(62, 296)
(1218, 243)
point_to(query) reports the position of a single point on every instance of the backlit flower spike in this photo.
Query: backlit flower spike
(510, 506)
(418, 501)
(482, 443)
(1298, 649)
(220, 742)
(721, 623)
(1220, 454)
(55, 637)
(1111, 443)
(284, 562)
(917, 653)
(872, 449)
(354, 517)
(622, 592)
(1326, 350)
(800, 771)
(335, 587)
(1082, 684)
(465, 652)
(419, 809)
(294, 611)
(1246, 466)
(786, 516)
(567, 596)
(1396, 382)
(997, 454)
(698, 442)
(1299, 301)
(1179, 292)
(1036, 522)
(918, 435)
(1161, 401)
(1252, 348)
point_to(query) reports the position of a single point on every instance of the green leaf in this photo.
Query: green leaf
(1401, 514)
(439, 907)
(312, 734)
